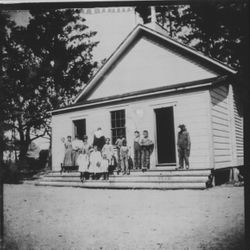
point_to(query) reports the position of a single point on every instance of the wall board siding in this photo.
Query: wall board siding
(238, 121)
(140, 115)
(220, 114)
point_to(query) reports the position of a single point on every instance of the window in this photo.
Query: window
(79, 128)
(117, 124)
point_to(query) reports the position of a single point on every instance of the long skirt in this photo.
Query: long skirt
(75, 155)
(68, 161)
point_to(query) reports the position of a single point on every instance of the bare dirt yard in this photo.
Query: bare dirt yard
(75, 218)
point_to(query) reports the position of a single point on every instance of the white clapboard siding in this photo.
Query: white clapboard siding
(222, 148)
(196, 119)
(238, 119)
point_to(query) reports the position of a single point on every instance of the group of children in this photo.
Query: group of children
(143, 148)
(94, 163)
(98, 160)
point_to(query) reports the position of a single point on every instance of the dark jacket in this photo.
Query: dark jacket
(184, 140)
(99, 142)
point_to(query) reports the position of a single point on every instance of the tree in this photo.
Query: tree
(170, 17)
(217, 29)
(47, 63)
(5, 25)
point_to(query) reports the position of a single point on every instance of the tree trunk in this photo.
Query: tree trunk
(23, 150)
(1, 142)
(49, 157)
(24, 144)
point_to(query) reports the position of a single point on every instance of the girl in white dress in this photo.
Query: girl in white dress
(95, 163)
(108, 150)
(83, 159)
(105, 167)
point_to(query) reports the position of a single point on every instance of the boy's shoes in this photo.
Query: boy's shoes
(180, 168)
(187, 167)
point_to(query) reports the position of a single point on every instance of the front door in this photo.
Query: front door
(166, 153)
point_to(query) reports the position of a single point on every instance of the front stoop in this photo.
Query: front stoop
(152, 179)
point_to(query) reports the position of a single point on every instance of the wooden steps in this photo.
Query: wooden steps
(120, 185)
(152, 179)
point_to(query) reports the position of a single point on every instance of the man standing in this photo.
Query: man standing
(184, 145)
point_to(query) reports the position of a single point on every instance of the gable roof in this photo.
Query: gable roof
(157, 33)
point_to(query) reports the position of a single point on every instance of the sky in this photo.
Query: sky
(112, 26)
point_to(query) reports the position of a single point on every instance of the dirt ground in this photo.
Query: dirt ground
(74, 218)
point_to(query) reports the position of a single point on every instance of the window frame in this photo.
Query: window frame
(118, 124)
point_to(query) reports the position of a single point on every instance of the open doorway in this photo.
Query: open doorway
(79, 128)
(166, 151)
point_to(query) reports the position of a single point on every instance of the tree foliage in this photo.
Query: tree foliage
(217, 29)
(46, 63)
(5, 25)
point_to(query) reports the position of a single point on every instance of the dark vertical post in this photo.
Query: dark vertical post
(1, 206)
(1, 182)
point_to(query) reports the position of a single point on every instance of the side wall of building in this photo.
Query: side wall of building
(237, 117)
(190, 108)
(227, 127)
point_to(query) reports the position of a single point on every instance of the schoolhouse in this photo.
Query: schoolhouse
(155, 83)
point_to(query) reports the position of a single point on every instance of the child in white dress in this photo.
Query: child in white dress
(108, 151)
(83, 163)
(95, 163)
(105, 167)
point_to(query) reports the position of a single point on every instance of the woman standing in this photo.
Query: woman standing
(77, 145)
(68, 152)
(99, 139)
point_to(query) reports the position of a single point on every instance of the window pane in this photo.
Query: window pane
(122, 114)
(118, 123)
(118, 114)
(122, 123)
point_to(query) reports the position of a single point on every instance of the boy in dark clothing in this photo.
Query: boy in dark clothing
(137, 151)
(147, 147)
(124, 155)
(184, 145)
(118, 145)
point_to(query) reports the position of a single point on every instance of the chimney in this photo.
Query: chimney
(153, 14)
